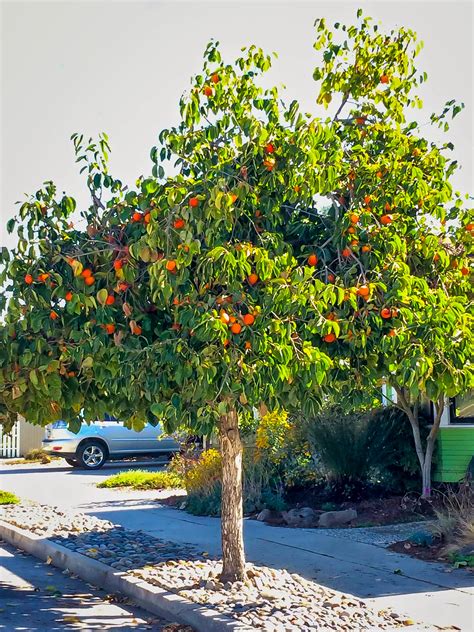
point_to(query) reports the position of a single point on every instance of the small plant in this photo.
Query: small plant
(38, 455)
(142, 479)
(7, 498)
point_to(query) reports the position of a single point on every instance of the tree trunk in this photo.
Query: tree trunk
(425, 458)
(233, 557)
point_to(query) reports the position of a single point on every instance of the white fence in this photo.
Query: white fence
(10, 443)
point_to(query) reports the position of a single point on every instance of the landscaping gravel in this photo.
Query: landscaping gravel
(272, 600)
(382, 536)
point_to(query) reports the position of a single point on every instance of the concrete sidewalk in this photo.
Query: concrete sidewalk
(38, 597)
(423, 591)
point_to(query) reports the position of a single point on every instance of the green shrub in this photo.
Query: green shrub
(202, 479)
(205, 504)
(143, 479)
(7, 498)
(356, 451)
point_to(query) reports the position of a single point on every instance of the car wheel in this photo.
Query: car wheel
(91, 455)
(72, 462)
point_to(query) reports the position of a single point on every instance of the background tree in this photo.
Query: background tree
(194, 298)
(404, 238)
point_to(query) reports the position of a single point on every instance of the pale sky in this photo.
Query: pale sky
(120, 67)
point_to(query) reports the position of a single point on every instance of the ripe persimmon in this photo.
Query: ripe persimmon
(233, 197)
(28, 279)
(469, 227)
(236, 328)
(360, 120)
(269, 163)
(43, 277)
(346, 253)
(123, 287)
(329, 338)
(110, 300)
(312, 259)
(385, 312)
(226, 342)
(87, 272)
(363, 291)
(248, 319)
(367, 199)
(90, 280)
(269, 148)
(193, 202)
(248, 344)
(379, 174)
(68, 296)
(384, 78)
(147, 218)
(464, 271)
(53, 315)
(331, 278)
(386, 220)
(110, 328)
(387, 207)
(392, 333)
(208, 91)
(252, 278)
(366, 248)
(179, 223)
(215, 78)
(351, 230)
(354, 218)
(137, 217)
(118, 264)
(171, 265)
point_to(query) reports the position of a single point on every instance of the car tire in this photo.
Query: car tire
(72, 462)
(91, 455)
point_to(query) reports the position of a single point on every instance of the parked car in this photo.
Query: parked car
(100, 441)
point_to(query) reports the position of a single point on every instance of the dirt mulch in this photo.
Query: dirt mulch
(432, 553)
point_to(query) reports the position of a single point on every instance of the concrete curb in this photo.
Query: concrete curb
(152, 598)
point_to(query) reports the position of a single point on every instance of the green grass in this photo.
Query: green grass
(142, 479)
(6, 498)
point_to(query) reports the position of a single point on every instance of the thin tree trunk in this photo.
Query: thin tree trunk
(425, 458)
(233, 556)
(430, 444)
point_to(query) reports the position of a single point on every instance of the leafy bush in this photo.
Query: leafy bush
(143, 479)
(37, 454)
(7, 498)
(356, 451)
(202, 479)
(201, 475)
(390, 432)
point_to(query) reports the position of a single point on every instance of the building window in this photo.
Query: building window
(462, 409)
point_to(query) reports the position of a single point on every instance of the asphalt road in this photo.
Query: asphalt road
(37, 597)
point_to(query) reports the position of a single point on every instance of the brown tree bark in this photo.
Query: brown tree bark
(233, 556)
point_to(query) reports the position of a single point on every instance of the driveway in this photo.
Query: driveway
(426, 592)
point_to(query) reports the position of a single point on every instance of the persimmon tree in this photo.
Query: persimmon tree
(236, 283)
(405, 237)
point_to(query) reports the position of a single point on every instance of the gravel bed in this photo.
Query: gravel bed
(382, 536)
(271, 600)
